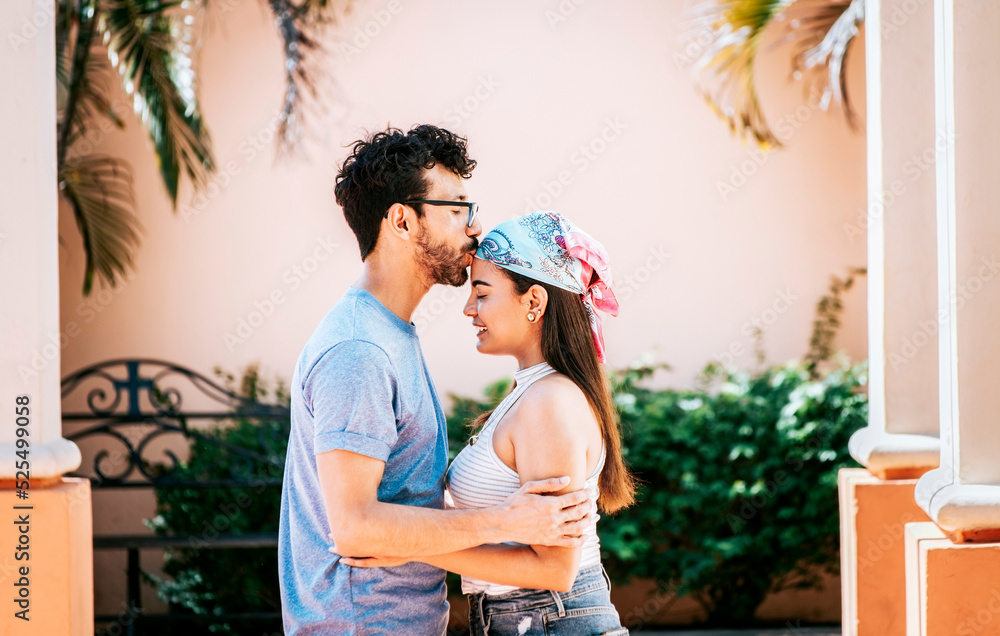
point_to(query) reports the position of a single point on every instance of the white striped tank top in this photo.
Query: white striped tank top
(478, 478)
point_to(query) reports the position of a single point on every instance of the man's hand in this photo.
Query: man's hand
(531, 517)
(368, 562)
(366, 526)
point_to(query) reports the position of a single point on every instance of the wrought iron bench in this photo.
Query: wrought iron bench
(136, 405)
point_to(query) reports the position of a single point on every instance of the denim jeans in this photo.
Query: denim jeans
(585, 609)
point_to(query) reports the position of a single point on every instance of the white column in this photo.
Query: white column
(29, 262)
(901, 436)
(963, 495)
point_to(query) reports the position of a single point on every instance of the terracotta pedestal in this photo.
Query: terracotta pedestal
(952, 588)
(53, 585)
(873, 516)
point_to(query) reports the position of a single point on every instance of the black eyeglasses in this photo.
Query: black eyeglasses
(473, 207)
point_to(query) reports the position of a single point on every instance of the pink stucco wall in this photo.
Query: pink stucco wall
(694, 265)
(584, 108)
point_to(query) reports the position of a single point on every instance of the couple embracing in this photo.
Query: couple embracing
(371, 514)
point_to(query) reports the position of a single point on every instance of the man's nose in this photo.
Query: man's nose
(476, 229)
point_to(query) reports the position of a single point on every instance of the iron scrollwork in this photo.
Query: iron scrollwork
(134, 402)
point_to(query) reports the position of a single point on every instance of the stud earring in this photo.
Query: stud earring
(531, 317)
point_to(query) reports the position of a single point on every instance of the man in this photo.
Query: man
(367, 452)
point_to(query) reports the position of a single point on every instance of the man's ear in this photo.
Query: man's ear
(400, 221)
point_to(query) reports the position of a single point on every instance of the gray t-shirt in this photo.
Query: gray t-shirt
(361, 384)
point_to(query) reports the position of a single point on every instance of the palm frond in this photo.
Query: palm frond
(73, 49)
(316, 6)
(95, 99)
(66, 17)
(99, 189)
(297, 24)
(159, 76)
(80, 75)
(86, 102)
(725, 68)
(823, 31)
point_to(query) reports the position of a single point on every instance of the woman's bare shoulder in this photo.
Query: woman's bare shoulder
(554, 400)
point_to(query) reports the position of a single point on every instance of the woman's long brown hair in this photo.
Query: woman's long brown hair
(568, 346)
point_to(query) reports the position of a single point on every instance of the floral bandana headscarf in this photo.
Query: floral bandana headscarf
(546, 247)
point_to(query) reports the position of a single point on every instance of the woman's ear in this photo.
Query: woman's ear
(537, 300)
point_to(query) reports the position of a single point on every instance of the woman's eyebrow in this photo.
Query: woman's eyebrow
(480, 282)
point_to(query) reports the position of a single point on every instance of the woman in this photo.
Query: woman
(536, 281)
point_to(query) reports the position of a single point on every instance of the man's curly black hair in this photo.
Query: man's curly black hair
(388, 168)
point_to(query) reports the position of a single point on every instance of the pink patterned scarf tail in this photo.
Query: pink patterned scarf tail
(596, 282)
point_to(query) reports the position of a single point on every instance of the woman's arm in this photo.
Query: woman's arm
(548, 432)
(520, 566)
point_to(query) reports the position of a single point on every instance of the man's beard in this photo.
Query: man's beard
(444, 265)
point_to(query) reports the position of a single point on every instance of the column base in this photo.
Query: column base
(951, 587)
(53, 586)
(971, 512)
(895, 455)
(873, 515)
(49, 460)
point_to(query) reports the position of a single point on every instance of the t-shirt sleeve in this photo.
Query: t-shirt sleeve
(351, 392)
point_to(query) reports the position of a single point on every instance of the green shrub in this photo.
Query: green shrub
(226, 580)
(738, 494)
(464, 410)
(739, 483)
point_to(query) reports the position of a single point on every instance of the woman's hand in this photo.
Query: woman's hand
(368, 562)
(373, 562)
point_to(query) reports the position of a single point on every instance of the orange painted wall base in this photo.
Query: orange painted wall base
(53, 586)
(952, 588)
(873, 516)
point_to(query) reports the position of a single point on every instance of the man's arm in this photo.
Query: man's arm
(546, 435)
(364, 526)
